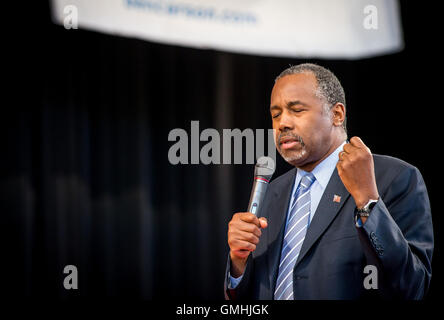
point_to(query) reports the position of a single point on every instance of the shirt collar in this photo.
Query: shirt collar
(324, 169)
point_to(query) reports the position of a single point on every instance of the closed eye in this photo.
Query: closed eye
(297, 110)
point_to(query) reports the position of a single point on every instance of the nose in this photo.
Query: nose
(285, 122)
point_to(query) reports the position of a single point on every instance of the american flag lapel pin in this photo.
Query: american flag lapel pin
(336, 198)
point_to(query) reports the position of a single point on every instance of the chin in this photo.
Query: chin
(295, 158)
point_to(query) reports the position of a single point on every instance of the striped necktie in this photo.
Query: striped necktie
(295, 231)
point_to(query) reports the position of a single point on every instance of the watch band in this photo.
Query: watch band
(364, 212)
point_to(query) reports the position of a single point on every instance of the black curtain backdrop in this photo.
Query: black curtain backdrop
(86, 179)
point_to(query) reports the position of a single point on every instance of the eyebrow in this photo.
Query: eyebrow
(289, 104)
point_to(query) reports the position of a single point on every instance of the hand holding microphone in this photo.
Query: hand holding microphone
(244, 229)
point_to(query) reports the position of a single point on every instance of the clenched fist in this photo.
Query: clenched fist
(356, 170)
(244, 231)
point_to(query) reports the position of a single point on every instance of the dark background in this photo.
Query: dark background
(85, 176)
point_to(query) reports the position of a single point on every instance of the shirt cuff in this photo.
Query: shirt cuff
(359, 223)
(233, 282)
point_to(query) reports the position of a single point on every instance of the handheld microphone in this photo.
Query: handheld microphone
(263, 171)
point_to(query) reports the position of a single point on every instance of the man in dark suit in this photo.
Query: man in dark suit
(344, 223)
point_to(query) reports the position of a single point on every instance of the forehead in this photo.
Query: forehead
(301, 86)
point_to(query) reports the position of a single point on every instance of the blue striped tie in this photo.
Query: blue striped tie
(295, 231)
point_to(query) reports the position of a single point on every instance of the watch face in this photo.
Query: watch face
(371, 204)
(368, 207)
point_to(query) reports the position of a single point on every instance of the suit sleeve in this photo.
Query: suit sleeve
(398, 237)
(242, 290)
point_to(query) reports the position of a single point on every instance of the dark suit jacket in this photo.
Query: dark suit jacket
(397, 238)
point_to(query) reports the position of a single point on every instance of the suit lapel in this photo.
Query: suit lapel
(327, 210)
(275, 230)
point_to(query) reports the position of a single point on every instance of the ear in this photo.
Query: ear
(338, 113)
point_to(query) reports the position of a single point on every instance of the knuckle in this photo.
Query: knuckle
(231, 225)
(234, 217)
(252, 238)
(247, 217)
(234, 244)
(243, 215)
(361, 156)
(257, 230)
(251, 229)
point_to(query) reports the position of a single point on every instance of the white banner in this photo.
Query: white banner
(343, 29)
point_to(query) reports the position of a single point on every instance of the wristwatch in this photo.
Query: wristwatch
(364, 211)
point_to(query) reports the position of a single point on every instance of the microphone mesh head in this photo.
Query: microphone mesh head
(264, 168)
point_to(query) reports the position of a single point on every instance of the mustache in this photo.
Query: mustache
(291, 135)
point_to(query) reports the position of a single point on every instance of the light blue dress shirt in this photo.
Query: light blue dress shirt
(322, 173)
